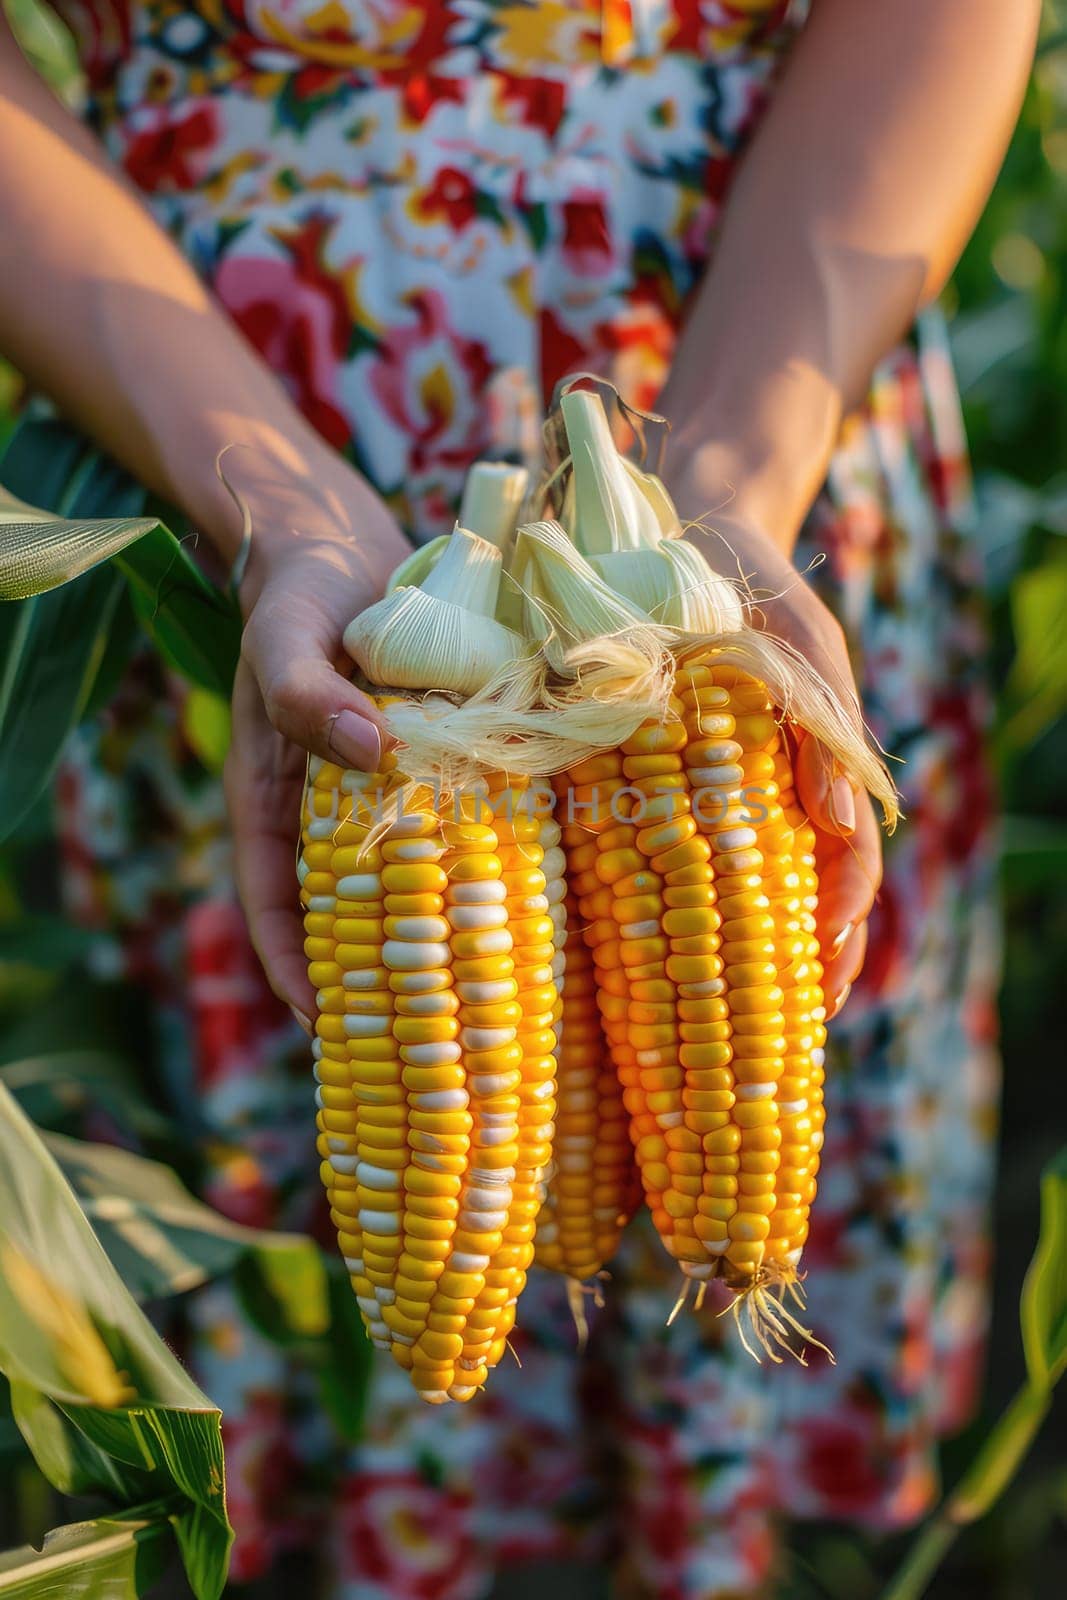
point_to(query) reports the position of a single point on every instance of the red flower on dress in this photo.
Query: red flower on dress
(587, 246)
(845, 1461)
(539, 101)
(294, 311)
(316, 79)
(561, 351)
(431, 380)
(402, 1536)
(231, 1005)
(953, 811)
(661, 1500)
(451, 196)
(425, 90)
(171, 151)
(260, 1469)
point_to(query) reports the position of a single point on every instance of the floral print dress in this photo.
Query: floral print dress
(423, 215)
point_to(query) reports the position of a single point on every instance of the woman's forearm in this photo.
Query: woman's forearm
(100, 311)
(849, 212)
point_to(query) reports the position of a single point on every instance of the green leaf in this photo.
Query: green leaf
(1043, 1308)
(1037, 686)
(1043, 1315)
(534, 218)
(344, 1364)
(52, 647)
(44, 461)
(206, 726)
(1000, 1457)
(122, 638)
(70, 1330)
(13, 1451)
(59, 1088)
(66, 1457)
(58, 650)
(43, 941)
(196, 628)
(39, 552)
(164, 1241)
(113, 1558)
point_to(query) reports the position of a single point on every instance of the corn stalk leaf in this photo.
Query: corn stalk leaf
(164, 1241)
(195, 627)
(51, 650)
(112, 1558)
(39, 552)
(64, 1089)
(1043, 1316)
(71, 1462)
(1043, 1307)
(1036, 693)
(74, 1345)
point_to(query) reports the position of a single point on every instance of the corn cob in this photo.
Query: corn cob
(431, 945)
(592, 1189)
(434, 1059)
(695, 880)
(697, 890)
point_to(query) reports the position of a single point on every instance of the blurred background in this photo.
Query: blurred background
(1008, 304)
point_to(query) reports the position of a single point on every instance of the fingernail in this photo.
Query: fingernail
(305, 1022)
(843, 805)
(842, 997)
(838, 943)
(356, 741)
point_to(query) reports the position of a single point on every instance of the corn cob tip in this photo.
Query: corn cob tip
(577, 1295)
(759, 1309)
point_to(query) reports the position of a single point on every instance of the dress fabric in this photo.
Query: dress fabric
(423, 215)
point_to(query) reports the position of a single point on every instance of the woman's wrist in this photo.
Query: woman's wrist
(720, 492)
(293, 492)
(287, 483)
(751, 448)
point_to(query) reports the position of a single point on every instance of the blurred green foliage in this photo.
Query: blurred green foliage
(1009, 305)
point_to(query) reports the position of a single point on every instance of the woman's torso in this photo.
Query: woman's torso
(423, 214)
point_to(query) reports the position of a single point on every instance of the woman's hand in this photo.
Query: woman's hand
(314, 564)
(848, 841)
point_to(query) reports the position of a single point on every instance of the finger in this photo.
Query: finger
(825, 792)
(306, 699)
(850, 870)
(263, 781)
(841, 973)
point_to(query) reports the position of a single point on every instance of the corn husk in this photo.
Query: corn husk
(622, 520)
(418, 565)
(442, 635)
(492, 496)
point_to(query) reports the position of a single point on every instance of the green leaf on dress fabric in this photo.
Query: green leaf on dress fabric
(344, 1364)
(534, 218)
(97, 1394)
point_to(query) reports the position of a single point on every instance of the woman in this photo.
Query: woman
(418, 217)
